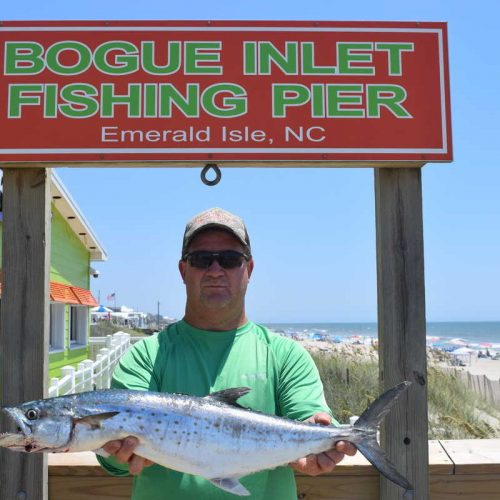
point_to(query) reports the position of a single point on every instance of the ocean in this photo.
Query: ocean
(472, 333)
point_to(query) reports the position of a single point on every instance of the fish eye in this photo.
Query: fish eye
(31, 414)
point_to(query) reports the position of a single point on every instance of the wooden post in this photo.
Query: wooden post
(24, 322)
(401, 324)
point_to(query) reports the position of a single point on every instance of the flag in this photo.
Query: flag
(111, 297)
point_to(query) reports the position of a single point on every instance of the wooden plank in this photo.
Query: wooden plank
(340, 487)
(24, 323)
(401, 323)
(439, 460)
(78, 476)
(442, 487)
(90, 488)
(465, 487)
(474, 456)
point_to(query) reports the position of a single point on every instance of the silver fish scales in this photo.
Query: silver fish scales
(212, 437)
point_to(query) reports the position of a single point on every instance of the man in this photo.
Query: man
(215, 347)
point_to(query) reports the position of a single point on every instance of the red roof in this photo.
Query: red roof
(62, 293)
(84, 296)
(69, 294)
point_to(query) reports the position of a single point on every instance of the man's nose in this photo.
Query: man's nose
(215, 268)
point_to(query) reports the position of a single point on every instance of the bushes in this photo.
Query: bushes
(455, 412)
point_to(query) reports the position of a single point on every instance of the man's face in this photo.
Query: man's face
(215, 287)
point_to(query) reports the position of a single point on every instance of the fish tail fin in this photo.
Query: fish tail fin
(369, 421)
(375, 413)
(377, 457)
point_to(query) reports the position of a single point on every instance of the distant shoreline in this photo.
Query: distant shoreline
(478, 366)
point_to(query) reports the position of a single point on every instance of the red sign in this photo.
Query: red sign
(224, 91)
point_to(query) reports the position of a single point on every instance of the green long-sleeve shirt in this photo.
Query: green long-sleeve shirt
(183, 359)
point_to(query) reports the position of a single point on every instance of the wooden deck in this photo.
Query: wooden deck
(468, 469)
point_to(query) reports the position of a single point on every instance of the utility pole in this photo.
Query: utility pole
(158, 316)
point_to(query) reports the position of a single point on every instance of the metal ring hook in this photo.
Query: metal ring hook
(206, 169)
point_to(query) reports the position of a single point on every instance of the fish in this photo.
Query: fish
(212, 436)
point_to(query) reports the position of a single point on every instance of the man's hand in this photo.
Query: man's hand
(123, 451)
(313, 465)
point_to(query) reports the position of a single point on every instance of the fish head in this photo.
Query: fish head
(40, 427)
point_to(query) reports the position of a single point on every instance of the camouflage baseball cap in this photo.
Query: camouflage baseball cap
(216, 218)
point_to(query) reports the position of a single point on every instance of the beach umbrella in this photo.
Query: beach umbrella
(101, 309)
(486, 344)
(462, 350)
(460, 342)
(430, 338)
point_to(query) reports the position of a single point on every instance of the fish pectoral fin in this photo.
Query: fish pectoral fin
(94, 421)
(230, 396)
(230, 484)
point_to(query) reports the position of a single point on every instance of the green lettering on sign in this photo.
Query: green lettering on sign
(387, 96)
(56, 52)
(285, 95)
(23, 58)
(286, 62)
(123, 63)
(173, 58)
(79, 100)
(339, 96)
(394, 55)
(231, 106)
(23, 95)
(198, 52)
(349, 52)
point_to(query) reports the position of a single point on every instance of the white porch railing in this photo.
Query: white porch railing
(90, 374)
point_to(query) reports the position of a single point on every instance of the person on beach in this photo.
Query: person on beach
(215, 347)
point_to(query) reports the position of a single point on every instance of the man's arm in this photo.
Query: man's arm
(135, 371)
(301, 395)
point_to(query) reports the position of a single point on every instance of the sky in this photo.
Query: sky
(312, 230)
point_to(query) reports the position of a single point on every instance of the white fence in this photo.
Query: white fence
(90, 374)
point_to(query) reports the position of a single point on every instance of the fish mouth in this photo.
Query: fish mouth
(22, 441)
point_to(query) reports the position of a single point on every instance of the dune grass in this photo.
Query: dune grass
(455, 412)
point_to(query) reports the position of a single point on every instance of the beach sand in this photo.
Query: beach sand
(478, 366)
(482, 366)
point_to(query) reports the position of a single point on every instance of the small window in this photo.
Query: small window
(78, 322)
(56, 338)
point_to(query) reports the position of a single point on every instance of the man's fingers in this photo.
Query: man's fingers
(112, 447)
(326, 463)
(136, 464)
(127, 449)
(346, 448)
(322, 418)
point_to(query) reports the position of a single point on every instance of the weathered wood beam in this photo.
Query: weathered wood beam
(24, 322)
(401, 324)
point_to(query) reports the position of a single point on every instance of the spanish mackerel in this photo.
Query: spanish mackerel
(213, 436)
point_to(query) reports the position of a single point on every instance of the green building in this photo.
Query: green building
(74, 247)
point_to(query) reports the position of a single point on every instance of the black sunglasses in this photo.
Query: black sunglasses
(227, 259)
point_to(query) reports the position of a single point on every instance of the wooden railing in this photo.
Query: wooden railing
(465, 470)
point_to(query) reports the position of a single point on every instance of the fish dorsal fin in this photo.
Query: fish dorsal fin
(230, 396)
(94, 421)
